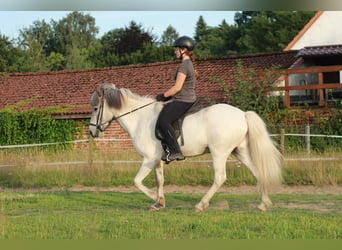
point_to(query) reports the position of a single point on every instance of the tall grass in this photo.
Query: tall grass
(45, 168)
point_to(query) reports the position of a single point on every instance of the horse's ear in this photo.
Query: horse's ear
(94, 99)
(99, 91)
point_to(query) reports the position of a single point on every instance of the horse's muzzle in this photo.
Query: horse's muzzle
(94, 130)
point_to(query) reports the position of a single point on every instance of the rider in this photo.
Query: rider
(183, 94)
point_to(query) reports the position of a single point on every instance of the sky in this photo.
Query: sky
(154, 21)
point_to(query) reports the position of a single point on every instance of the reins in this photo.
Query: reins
(99, 117)
(127, 113)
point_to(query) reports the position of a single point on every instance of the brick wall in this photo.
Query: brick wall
(114, 139)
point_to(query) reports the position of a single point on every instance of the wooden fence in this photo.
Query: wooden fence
(320, 85)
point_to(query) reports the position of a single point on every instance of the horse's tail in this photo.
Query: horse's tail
(264, 153)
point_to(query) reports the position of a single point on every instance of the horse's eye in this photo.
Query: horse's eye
(95, 109)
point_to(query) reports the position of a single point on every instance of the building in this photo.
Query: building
(321, 30)
(315, 77)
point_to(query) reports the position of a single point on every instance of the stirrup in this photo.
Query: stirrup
(165, 156)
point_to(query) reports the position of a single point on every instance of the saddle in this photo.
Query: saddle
(178, 124)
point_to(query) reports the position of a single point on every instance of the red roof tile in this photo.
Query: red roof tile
(72, 90)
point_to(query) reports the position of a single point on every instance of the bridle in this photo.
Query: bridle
(98, 123)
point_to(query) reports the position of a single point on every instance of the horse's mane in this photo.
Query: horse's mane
(117, 97)
(128, 94)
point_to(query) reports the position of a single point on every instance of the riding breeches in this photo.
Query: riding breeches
(169, 114)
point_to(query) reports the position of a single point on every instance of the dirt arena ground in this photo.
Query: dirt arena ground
(199, 189)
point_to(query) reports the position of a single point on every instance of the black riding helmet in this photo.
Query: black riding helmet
(184, 42)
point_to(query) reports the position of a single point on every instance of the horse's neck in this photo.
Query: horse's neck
(131, 104)
(137, 121)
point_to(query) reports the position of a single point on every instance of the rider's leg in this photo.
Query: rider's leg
(170, 113)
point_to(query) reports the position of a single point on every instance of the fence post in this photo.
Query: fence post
(307, 139)
(90, 151)
(282, 141)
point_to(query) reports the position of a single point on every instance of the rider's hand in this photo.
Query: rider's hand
(162, 98)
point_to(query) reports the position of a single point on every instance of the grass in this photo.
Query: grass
(35, 169)
(111, 215)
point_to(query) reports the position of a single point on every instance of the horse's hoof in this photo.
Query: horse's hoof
(197, 210)
(161, 203)
(153, 209)
(262, 207)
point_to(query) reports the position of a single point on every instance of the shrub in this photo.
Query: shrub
(34, 126)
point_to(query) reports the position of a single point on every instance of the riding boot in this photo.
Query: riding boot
(172, 151)
(167, 156)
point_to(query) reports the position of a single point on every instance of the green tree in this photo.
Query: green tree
(217, 41)
(267, 31)
(34, 42)
(200, 30)
(131, 45)
(74, 38)
(78, 58)
(63, 44)
(76, 30)
(132, 39)
(39, 33)
(230, 34)
(244, 17)
(8, 55)
(211, 44)
(152, 53)
(55, 61)
(169, 36)
(104, 53)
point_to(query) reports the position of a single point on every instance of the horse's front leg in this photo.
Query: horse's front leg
(143, 172)
(159, 174)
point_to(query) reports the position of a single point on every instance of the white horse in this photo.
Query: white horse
(219, 129)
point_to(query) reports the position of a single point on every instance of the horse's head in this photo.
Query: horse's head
(104, 102)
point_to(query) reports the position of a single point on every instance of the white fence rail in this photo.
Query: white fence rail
(82, 163)
(307, 136)
(310, 135)
(58, 143)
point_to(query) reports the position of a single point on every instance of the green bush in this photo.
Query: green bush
(34, 126)
(251, 92)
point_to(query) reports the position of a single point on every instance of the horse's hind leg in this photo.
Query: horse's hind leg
(219, 165)
(243, 155)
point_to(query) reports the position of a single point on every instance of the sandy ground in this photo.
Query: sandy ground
(198, 189)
